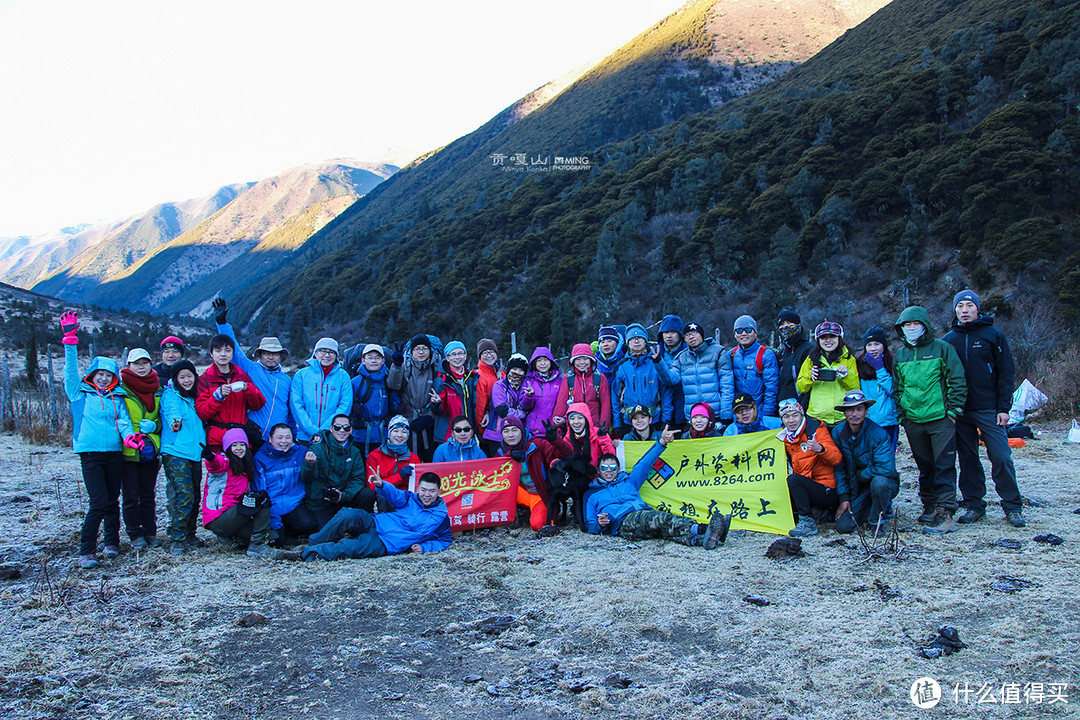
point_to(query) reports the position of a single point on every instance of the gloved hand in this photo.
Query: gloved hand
(147, 426)
(397, 357)
(135, 442)
(875, 362)
(207, 453)
(551, 433)
(502, 410)
(517, 455)
(406, 472)
(221, 309)
(69, 324)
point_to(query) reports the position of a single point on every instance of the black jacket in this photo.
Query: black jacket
(791, 360)
(988, 363)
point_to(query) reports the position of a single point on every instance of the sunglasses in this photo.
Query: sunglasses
(341, 427)
(744, 331)
(463, 429)
(609, 466)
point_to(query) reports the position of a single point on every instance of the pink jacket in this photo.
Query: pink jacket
(221, 490)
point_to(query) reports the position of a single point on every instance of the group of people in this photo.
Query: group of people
(328, 453)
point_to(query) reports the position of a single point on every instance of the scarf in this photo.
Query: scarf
(398, 452)
(913, 334)
(793, 436)
(144, 388)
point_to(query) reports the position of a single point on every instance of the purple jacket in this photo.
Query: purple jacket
(517, 402)
(545, 392)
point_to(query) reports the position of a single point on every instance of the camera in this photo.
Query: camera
(826, 375)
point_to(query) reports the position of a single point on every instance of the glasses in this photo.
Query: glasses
(341, 427)
(456, 353)
(744, 331)
(609, 466)
(325, 351)
(463, 429)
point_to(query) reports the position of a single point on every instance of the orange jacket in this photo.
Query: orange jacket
(816, 465)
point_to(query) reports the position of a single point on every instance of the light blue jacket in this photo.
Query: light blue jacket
(411, 523)
(764, 387)
(706, 376)
(317, 397)
(880, 390)
(274, 385)
(189, 442)
(100, 420)
(621, 497)
(762, 423)
(278, 473)
(453, 451)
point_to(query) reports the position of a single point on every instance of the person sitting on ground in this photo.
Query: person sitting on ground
(172, 351)
(535, 456)
(231, 506)
(333, 474)
(225, 393)
(828, 373)
(393, 461)
(614, 506)
(419, 523)
(747, 419)
(462, 444)
(866, 478)
(264, 368)
(813, 455)
(320, 391)
(756, 368)
(100, 429)
(182, 439)
(702, 422)
(641, 426)
(277, 472)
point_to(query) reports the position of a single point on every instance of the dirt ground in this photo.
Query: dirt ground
(505, 625)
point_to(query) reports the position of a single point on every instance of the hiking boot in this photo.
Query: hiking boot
(290, 555)
(942, 523)
(88, 562)
(716, 533)
(548, 531)
(971, 515)
(805, 528)
(152, 541)
(927, 515)
(195, 542)
(1016, 519)
(111, 552)
(177, 548)
(260, 551)
(139, 543)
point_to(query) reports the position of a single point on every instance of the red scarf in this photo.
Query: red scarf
(144, 388)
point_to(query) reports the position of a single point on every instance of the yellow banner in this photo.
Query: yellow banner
(745, 475)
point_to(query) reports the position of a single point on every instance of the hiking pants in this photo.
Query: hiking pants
(102, 475)
(183, 482)
(140, 504)
(870, 503)
(933, 445)
(330, 543)
(972, 484)
(650, 524)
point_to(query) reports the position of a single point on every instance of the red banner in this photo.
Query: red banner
(478, 493)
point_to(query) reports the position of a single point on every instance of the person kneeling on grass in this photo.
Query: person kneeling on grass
(813, 455)
(232, 508)
(419, 523)
(614, 506)
(866, 478)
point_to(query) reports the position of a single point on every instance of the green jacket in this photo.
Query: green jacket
(929, 376)
(139, 412)
(335, 466)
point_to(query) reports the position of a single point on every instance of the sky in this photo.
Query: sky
(110, 107)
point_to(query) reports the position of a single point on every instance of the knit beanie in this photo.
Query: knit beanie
(965, 295)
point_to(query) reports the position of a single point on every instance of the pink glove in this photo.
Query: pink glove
(69, 323)
(135, 442)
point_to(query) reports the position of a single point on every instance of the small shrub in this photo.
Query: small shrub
(1058, 376)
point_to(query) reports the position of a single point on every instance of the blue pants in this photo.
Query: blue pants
(871, 503)
(330, 543)
(972, 476)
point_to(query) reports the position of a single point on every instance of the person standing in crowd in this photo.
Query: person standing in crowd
(813, 455)
(462, 444)
(637, 382)
(418, 382)
(490, 371)
(875, 364)
(704, 370)
(866, 477)
(584, 383)
(231, 506)
(225, 393)
(182, 439)
(670, 340)
(930, 395)
(795, 348)
(334, 475)
(510, 397)
(141, 465)
(747, 418)
(988, 372)
(458, 395)
(545, 380)
(610, 352)
(373, 401)
(320, 390)
(100, 429)
(277, 473)
(756, 367)
(264, 369)
(828, 373)
(172, 350)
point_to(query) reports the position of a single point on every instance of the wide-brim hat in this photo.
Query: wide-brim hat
(854, 398)
(269, 344)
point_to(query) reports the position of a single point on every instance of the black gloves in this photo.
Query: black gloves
(221, 309)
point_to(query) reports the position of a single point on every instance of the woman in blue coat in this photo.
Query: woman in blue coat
(183, 438)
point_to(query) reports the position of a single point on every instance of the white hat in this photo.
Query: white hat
(373, 347)
(137, 354)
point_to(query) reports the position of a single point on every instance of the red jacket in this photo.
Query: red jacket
(488, 377)
(585, 391)
(599, 444)
(219, 415)
(389, 468)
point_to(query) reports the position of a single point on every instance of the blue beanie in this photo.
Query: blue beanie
(634, 330)
(452, 346)
(965, 295)
(671, 323)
